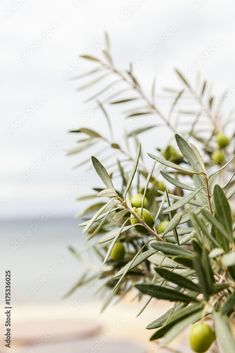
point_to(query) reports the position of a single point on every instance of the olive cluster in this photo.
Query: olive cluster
(140, 212)
(142, 203)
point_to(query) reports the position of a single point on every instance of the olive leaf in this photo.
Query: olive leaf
(87, 131)
(110, 235)
(224, 334)
(173, 223)
(102, 172)
(204, 279)
(161, 320)
(179, 327)
(229, 304)
(194, 158)
(171, 164)
(190, 154)
(183, 201)
(125, 100)
(141, 130)
(98, 215)
(129, 183)
(89, 57)
(212, 175)
(170, 249)
(176, 182)
(182, 281)
(182, 78)
(164, 293)
(222, 236)
(174, 314)
(202, 230)
(159, 259)
(135, 262)
(222, 210)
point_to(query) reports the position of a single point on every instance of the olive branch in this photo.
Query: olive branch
(165, 232)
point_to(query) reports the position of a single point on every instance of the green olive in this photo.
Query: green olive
(201, 337)
(143, 214)
(118, 252)
(172, 155)
(222, 140)
(150, 193)
(161, 227)
(218, 157)
(136, 201)
(160, 185)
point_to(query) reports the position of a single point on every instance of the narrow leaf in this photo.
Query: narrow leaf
(179, 327)
(139, 114)
(229, 304)
(176, 182)
(102, 172)
(183, 201)
(137, 261)
(171, 165)
(86, 131)
(160, 320)
(89, 57)
(222, 168)
(198, 266)
(194, 158)
(182, 78)
(173, 223)
(170, 249)
(182, 281)
(122, 101)
(219, 226)
(222, 210)
(174, 318)
(133, 171)
(175, 313)
(164, 293)
(110, 235)
(224, 334)
(141, 130)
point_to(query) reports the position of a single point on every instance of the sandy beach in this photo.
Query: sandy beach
(118, 322)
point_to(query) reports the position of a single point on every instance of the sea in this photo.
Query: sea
(43, 270)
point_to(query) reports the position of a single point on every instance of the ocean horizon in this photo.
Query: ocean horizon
(43, 270)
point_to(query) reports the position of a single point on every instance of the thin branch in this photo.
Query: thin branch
(141, 93)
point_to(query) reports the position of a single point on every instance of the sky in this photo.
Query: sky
(40, 43)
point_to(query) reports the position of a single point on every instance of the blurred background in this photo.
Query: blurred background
(40, 46)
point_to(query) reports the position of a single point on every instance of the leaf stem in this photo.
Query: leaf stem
(208, 192)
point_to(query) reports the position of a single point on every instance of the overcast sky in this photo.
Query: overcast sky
(40, 42)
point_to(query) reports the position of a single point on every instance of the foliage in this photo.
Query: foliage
(190, 261)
